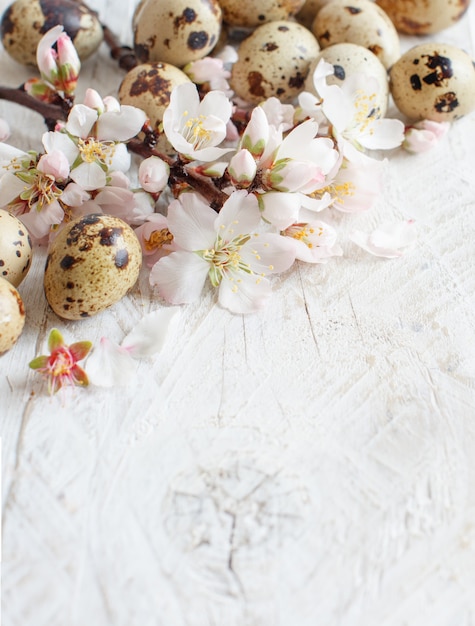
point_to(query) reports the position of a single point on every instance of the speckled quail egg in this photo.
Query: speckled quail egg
(307, 13)
(176, 31)
(25, 21)
(149, 86)
(421, 17)
(15, 249)
(12, 315)
(434, 81)
(252, 13)
(349, 59)
(273, 61)
(92, 263)
(361, 22)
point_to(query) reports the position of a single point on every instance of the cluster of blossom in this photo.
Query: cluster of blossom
(290, 165)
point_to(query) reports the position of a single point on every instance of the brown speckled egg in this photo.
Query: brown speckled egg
(15, 249)
(434, 81)
(26, 21)
(252, 13)
(149, 86)
(273, 61)
(93, 262)
(421, 17)
(361, 22)
(12, 315)
(349, 59)
(176, 31)
(307, 13)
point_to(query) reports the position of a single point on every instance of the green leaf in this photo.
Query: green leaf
(38, 362)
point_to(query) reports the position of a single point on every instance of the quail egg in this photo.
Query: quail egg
(176, 31)
(12, 315)
(361, 22)
(92, 263)
(251, 13)
(434, 81)
(15, 249)
(273, 61)
(422, 17)
(24, 22)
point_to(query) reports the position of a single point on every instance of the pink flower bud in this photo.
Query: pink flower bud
(68, 63)
(153, 174)
(242, 169)
(93, 100)
(54, 164)
(256, 135)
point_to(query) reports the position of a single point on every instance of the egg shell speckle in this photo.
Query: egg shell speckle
(93, 262)
(422, 17)
(252, 13)
(12, 315)
(273, 61)
(434, 81)
(176, 31)
(349, 59)
(24, 22)
(149, 86)
(361, 22)
(15, 249)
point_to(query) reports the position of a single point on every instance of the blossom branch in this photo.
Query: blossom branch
(50, 112)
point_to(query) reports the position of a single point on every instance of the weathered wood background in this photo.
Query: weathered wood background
(310, 465)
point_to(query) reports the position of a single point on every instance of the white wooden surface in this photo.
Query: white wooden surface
(312, 465)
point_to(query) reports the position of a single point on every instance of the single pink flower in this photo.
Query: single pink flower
(60, 367)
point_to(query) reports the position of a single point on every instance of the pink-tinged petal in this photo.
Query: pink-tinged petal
(239, 215)
(89, 176)
(179, 277)
(54, 164)
(244, 295)
(54, 141)
(268, 253)
(386, 240)
(109, 365)
(279, 115)
(256, 134)
(93, 100)
(191, 222)
(149, 335)
(117, 201)
(153, 174)
(80, 350)
(81, 119)
(79, 376)
(382, 134)
(120, 125)
(39, 223)
(111, 104)
(74, 195)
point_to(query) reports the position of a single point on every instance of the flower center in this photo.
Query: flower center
(303, 233)
(93, 151)
(157, 239)
(195, 132)
(60, 362)
(225, 257)
(40, 189)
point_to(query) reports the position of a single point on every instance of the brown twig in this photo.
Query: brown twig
(51, 112)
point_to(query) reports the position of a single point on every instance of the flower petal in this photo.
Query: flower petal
(249, 295)
(239, 215)
(191, 222)
(179, 277)
(120, 125)
(110, 365)
(149, 335)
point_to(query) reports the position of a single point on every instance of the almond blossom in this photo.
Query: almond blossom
(315, 242)
(196, 129)
(91, 140)
(352, 111)
(60, 367)
(225, 248)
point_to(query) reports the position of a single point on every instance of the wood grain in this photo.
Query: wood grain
(313, 464)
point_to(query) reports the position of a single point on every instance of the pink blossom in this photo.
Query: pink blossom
(55, 164)
(153, 174)
(386, 240)
(155, 238)
(424, 135)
